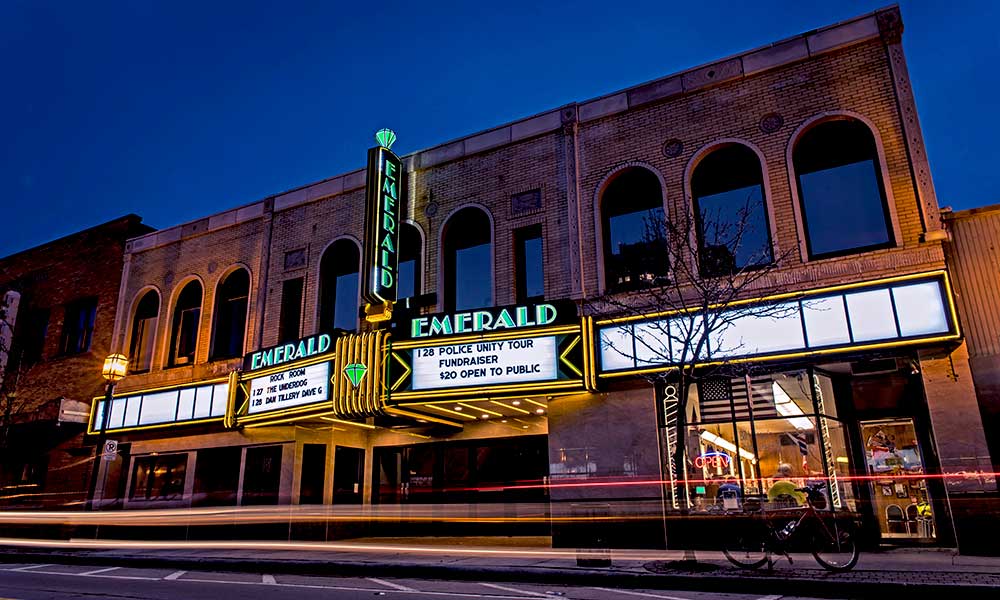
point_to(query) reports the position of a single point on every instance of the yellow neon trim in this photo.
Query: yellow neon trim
(305, 362)
(488, 337)
(485, 410)
(952, 310)
(399, 381)
(442, 409)
(342, 422)
(162, 388)
(143, 391)
(841, 350)
(538, 404)
(321, 407)
(158, 425)
(781, 296)
(515, 389)
(433, 419)
(562, 357)
(512, 397)
(279, 421)
(511, 407)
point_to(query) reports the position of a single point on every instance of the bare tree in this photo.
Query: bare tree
(691, 275)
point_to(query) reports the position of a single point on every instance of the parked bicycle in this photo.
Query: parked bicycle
(831, 540)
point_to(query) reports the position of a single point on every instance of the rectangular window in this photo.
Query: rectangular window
(313, 474)
(262, 475)
(78, 326)
(346, 304)
(290, 317)
(141, 350)
(35, 330)
(216, 476)
(529, 265)
(159, 478)
(187, 335)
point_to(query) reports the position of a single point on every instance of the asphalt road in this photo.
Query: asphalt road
(64, 582)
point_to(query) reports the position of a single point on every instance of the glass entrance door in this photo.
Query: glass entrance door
(897, 476)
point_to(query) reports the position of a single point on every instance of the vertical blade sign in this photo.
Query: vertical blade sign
(383, 200)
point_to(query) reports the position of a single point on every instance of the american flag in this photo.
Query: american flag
(716, 394)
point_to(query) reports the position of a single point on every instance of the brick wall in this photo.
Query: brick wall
(569, 154)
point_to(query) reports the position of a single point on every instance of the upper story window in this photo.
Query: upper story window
(409, 262)
(140, 351)
(728, 191)
(632, 218)
(231, 302)
(290, 315)
(844, 206)
(184, 326)
(467, 246)
(338, 286)
(78, 326)
(32, 335)
(529, 273)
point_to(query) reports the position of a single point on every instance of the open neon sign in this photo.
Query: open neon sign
(714, 459)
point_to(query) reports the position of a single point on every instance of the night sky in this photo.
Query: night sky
(177, 110)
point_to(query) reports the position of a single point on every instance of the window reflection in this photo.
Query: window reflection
(635, 253)
(143, 329)
(728, 192)
(759, 437)
(841, 189)
(187, 317)
(159, 478)
(468, 260)
(409, 262)
(338, 286)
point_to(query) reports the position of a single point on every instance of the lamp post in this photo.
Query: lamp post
(115, 366)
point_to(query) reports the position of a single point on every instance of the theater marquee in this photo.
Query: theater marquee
(508, 350)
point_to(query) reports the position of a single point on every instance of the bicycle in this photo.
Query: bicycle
(832, 541)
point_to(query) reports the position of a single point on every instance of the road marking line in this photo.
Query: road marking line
(646, 594)
(30, 567)
(175, 575)
(514, 590)
(361, 589)
(96, 571)
(397, 586)
(267, 579)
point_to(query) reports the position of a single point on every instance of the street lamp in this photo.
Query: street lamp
(114, 369)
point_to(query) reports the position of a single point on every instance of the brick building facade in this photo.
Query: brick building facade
(553, 173)
(67, 294)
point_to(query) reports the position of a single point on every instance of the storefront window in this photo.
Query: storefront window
(714, 466)
(789, 451)
(760, 435)
(159, 478)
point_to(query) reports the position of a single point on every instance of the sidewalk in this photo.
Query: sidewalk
(528, 560)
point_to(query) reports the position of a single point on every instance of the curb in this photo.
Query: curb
(756, 582)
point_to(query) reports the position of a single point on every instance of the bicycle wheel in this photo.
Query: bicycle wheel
(746, 549)
(838, 551)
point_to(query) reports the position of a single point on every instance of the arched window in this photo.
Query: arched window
(635, 252)
(844, 207)
(468, 260)
(140, 347)
(409, 262)
(728, 191)
(338, 286)
(184, 326)
(230, 315)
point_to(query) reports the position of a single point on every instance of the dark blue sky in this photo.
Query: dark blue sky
(176, 110)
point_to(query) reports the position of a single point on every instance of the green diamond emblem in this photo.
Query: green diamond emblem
(355, 372)
(385, 137)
